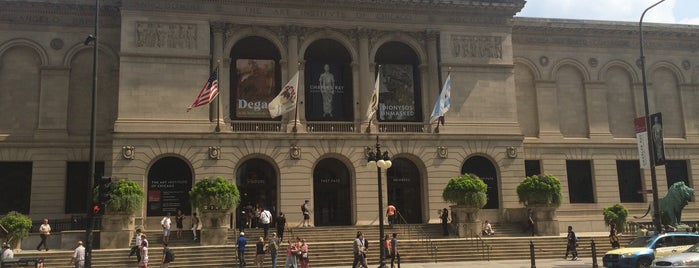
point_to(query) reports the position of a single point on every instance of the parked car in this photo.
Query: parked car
(685, 259)
(641, 252)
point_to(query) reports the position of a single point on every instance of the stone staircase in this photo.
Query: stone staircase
(332, 246)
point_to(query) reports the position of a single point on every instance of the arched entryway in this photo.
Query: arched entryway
(257, 182)
(331, 192)
(484, 168)
(404, 191)
(169, 182)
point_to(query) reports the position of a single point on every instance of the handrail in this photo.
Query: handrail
(481, 245)
(421, 235)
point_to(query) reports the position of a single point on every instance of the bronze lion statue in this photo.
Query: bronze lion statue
(675, 200)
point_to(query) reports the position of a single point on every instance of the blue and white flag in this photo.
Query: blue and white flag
(442, 105)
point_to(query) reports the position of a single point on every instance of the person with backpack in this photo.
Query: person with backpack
(571, 244)
(168, 256)
(306, 210)
(273, 247)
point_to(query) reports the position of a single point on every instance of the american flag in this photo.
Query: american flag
(208, 92)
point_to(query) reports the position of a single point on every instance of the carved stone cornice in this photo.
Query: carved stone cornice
(217, 26)
(70, 14)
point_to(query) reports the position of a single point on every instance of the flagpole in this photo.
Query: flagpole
(218, 99)
(441, 118)
(294, 129)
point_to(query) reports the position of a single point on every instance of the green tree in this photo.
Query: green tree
(540, 190)
(218, 193)
(466, 190)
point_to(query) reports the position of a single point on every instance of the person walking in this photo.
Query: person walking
(166, 223)
(136, 244)
(260, 252)
(44, 233)
(273, 248)
(613, 236)
(195, 224)
(240, 245)
(530, 222)
(167, 257)
(306, 210)
(391, 214)
(179, 222)
(265, 220)
(395, 254)
(144, 255)
(6, 252)
(572, 242)
(303, 257)
(386, 246)
(445, 222)
(358, 250)
(291, 252)
(78, 258)
(280, 222)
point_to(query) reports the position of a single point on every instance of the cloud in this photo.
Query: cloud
(611, 10)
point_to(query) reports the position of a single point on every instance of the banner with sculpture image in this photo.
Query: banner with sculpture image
(255, 88)
(397, 98)
(328, 92)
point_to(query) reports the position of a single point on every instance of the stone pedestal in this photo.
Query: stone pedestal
(214, 230)
(117, 230)
(545, 219)
(465, 220)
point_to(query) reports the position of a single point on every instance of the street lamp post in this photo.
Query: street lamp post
(380, 161)
(653, 177)
(91, 179)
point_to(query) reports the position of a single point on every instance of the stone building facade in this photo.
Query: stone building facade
(528, 96)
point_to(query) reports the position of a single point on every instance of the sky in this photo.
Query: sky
(670, 11)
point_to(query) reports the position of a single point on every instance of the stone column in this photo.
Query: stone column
(432, 90)
(365, 78)
(292, 51)
(217, 29)
(53, 101)
(597, 110)
(547, 109)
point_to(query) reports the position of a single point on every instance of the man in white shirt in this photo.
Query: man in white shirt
(6, 252)
(266, 219)
(78, 258)
(166, 222)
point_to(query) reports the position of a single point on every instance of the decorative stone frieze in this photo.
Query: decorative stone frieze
(166, 35)
(214, 152)
(294, 153)
(472, 46)
(442, 152)
(128, 152)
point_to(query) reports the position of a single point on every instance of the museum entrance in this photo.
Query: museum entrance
(331, 193)
(484, 169)
(169, 182)
(257, 182)
(404, 191)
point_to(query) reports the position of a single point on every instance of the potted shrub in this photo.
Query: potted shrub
(467, 193)
(540, 190)
(125, 197)
(17, 227)
(214, 198)
(542, 194)
(616, 214)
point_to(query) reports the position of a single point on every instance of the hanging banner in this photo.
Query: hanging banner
(656, 130)
(327, 92)
(397, 99)
(255, 88)
(642, 141)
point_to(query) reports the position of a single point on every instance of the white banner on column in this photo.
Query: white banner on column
(642, 141)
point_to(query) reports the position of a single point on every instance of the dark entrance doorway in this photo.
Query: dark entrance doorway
(483, 168)
(169, 182)
(257, 182)
(404, 191)
(331, 192)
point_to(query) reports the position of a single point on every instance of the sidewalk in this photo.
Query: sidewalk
(542, 263)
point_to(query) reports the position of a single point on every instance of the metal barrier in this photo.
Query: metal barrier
(420, 234)
(76, 222)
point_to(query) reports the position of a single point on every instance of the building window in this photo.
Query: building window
(580, 181)
(630, 181)
(328, 82)
(77, 175)
(532, 167)
(676, 171)
(400, 99)
(16, 186)
(255, 78)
